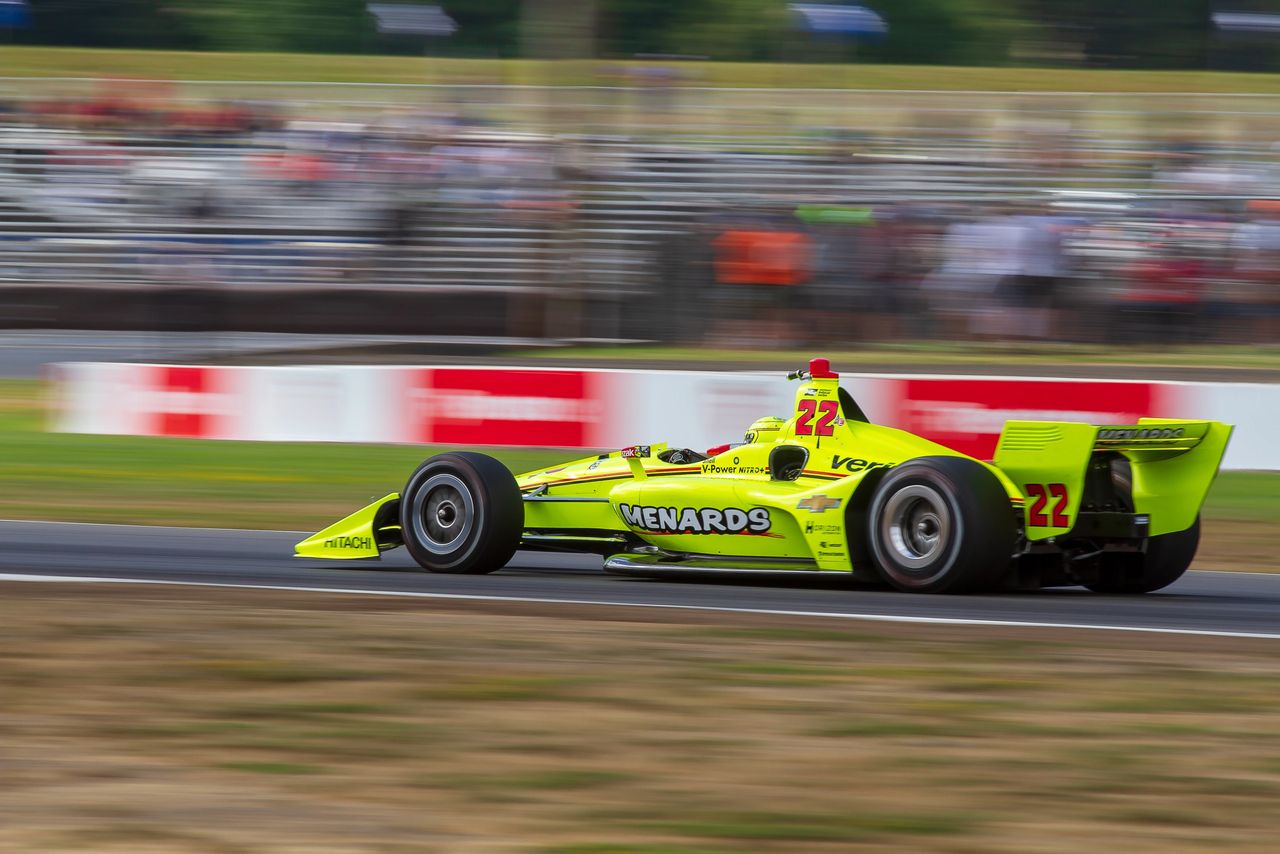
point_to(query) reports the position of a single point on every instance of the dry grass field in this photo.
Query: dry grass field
(163, 720)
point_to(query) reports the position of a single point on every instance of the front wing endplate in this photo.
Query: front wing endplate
(366, 533)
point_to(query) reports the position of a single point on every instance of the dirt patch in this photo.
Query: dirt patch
(1232, 546)
(237, 721)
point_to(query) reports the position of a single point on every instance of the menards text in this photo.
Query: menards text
(697, 520)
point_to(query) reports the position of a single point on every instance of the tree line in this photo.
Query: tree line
(1105, 33)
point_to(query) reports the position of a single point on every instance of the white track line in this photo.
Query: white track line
(872, 618)
(200, 528)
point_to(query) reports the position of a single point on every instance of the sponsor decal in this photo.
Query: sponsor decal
(815, 527)
(636, 452)
(818, 504)
(1114, 434)
(510, 407)
(856, 464)
(594, 465)
(716, 468)
(349, 543)
(696, 520)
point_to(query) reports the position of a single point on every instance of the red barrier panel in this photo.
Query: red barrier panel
(467, 406)
(186, 401)
(968, 414)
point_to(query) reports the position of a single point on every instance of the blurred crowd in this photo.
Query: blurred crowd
(1005, 271)
(764, 229)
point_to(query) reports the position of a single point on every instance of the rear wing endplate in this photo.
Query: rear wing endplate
(1173, 462)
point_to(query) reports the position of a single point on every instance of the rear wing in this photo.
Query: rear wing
(1152, 434)
(1173, 462)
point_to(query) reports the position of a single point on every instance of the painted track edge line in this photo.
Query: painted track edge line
(150, 527)
(477, 597)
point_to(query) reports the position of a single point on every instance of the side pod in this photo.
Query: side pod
(366, 533)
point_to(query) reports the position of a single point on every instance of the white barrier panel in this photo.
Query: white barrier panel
(1255, 410)
(152, 400)
(577, 408)
(317, 404)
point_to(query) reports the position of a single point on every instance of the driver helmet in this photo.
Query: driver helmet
(765, 429)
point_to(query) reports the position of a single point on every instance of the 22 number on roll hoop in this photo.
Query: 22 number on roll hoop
(827, 411)
(1042, 492)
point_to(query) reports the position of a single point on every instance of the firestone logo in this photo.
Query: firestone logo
(968, 414)
(466, 405)
(509, 407)
(945, 417)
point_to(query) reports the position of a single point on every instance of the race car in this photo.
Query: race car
(1113, 507)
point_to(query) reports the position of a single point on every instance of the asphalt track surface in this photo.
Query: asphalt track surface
(1213, 603)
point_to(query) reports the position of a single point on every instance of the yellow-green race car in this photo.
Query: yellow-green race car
(1114, 507)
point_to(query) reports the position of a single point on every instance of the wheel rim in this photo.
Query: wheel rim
(443, 513)
(916, 526)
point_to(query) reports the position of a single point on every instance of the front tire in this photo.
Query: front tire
(461, 513)
(941, 525)
(1165, 560)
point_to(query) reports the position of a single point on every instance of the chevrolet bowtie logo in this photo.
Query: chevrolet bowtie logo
(818, 504)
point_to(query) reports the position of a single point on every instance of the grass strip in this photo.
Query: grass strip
(30, 61)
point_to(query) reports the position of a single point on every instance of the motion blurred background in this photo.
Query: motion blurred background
(717, 172)
(266, 195)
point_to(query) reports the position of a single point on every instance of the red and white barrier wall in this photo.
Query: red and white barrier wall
(608, 409)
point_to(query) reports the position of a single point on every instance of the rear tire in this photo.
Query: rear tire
(941, 525)
(461, 513)
(1165, 560)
